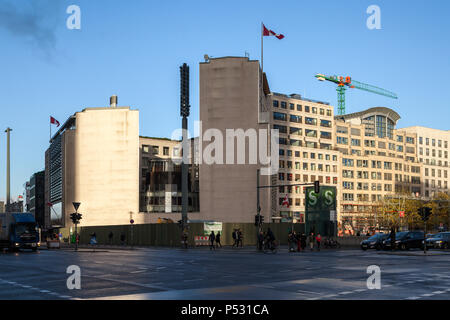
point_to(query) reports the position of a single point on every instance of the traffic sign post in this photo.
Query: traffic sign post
(131, 222)
(76, 217)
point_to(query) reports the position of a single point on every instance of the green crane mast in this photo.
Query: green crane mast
(344, 82)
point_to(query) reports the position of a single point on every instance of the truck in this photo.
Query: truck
(19, 231)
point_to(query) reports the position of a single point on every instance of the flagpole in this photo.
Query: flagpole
(262, 47)
(50, 126)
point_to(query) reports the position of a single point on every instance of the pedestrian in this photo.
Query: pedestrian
(93, 239)
(110, 237)
(392, 236)
(240, 237)
(318, 240)
(234, 234)
(311, 241)
(122, 238)
(303, 241)
(299, 242)
(260, 240)
(212, 237)
(218, 244)
(291, 241)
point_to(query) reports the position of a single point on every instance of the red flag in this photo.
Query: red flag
(267, 32)
(285, 201)
(54, 121)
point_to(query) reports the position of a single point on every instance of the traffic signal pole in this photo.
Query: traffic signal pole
(184, 112)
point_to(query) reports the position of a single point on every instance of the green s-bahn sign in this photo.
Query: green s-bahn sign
(320, 210)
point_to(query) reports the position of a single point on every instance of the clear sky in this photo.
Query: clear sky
(134, 48)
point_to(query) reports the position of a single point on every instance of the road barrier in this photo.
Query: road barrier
(201, 241)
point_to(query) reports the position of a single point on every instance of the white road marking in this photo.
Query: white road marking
(438, 292)
(44, 291)
(138, 271)
(330, 296)
(360, 290)
(345, 292)
(308, 292)
(427, 295)
(412, 298)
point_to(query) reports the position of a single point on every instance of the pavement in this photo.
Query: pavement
(225, 274)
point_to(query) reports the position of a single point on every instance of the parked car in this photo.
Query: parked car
(440, 240)
(374, 242)
(430, 235)
(406, 240)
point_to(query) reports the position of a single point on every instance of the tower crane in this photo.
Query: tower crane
(344, 82)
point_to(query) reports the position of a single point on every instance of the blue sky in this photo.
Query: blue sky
(134, 48)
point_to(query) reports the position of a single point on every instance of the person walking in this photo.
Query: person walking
(392, 236)
(234, 234)
(212, 238)
(122, 238)
(311, 241)
(303, 241)
(240, 238)
(260, 240)
(318, 240)
(218, 244)
(110, 237)
(299, 244)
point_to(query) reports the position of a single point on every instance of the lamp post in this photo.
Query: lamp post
(184, 112)
(8, 177)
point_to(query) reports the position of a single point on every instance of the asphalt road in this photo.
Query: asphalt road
(163, 273)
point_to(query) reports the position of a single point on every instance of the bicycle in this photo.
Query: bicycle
(270, 246)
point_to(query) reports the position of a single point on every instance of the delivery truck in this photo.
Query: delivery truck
(19, 231)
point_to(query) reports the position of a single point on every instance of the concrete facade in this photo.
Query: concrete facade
(432, 151)
(231, 97)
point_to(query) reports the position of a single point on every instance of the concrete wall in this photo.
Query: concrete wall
(106, 165)
(169, 234)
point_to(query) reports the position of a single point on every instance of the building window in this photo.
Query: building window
(299, 107)
(283, 105)
(279, 116)
(275, 103)
(291, 106)
(155, 150)
(294, 118)
(166, 151)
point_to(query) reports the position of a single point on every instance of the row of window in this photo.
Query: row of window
(298, 119)
(155, 150)
(433, 172)
(433, 162)
(283, 105)
(439, 153)
(435, 183)
(303, 179)
(308, 166)
(433, 142)
(307, 155)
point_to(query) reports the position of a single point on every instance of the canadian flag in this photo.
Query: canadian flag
(285, 202)
(267, 32)
(54, 121)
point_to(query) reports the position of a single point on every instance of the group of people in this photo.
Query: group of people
(214, 238)
(300, 240)
(122, 238)
(266, 237)
(238, 238)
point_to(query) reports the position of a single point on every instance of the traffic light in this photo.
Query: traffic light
(424, 213)
(79, 217)
(262, 219)
(180, 223)
(73, 217)
(256, 220)
(316, 187)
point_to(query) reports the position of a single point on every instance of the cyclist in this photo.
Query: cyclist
(270, 238)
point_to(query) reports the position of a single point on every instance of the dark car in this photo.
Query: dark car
(374, 242)
(406, 240)
(440, 240)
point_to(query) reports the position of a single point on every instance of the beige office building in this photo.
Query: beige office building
(377, 161)
(432, 151)
(94, 159)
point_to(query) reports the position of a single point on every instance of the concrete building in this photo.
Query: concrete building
(160, 179)
(307, 153)
(94, 159)
(432, 151)
(377, 160)
(233, 95)
(36, 200)
(2, 207)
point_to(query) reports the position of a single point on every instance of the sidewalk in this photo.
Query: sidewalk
(416, 253)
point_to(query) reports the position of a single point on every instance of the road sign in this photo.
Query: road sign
(131, 221)
(76, 205)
